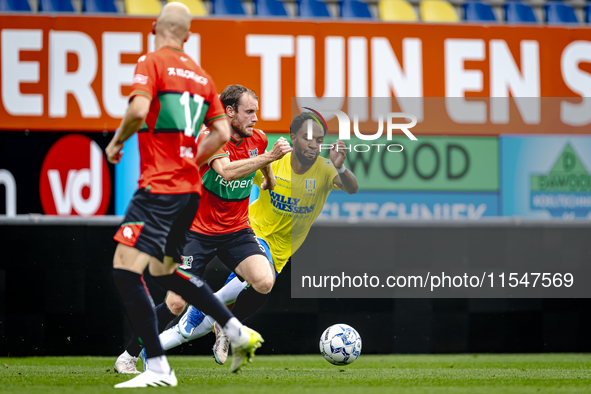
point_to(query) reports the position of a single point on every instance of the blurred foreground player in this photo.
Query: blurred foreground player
(173, 96)
(281, 218)
(221, 227)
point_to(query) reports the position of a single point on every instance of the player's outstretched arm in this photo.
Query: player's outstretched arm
(219, 134)
(132, 121)
(345, 179)
(232, 170)
(269, 182)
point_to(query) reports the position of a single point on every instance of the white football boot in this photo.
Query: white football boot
(222, 344)
(243, 349)
(150, 379)
(126, 364)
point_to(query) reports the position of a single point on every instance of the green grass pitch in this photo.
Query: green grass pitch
(478, 373)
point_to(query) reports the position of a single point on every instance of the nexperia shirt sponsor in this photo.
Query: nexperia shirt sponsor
(223, 207)
(183, 97)
(283, 216)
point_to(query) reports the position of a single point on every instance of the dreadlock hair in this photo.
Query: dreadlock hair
(298, 121)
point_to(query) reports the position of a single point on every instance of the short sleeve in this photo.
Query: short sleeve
(216, 109)
(258, 178)
(220, 153)
(144, 79)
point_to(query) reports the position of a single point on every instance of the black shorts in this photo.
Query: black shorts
(156, 224)
(230, 248)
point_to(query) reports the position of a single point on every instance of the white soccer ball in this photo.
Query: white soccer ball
(340, 344)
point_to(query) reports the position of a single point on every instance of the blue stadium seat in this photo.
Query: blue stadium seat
(98, 6)
(270, 8)
(588, 13)
(516, 12)
(228, 7)
(557, 12)
(55, 6)
(475, 11)
(14, 5)
(355, 9)
(313, 9)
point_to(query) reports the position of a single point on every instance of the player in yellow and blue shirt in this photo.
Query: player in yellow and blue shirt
(281, 218)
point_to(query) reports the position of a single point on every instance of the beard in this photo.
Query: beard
(241, 130)
(303, 159)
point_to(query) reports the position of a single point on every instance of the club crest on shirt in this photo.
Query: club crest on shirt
(253, 152)
(310, 185)
(187, 262)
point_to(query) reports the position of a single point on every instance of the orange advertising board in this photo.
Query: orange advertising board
(72, 73)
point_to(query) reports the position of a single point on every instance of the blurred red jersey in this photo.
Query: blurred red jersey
(224, 204)
(183, 98)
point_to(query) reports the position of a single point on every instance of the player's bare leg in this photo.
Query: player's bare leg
(260, 275)
(257, 271)
(227, 295)
(255, 267)
(175, 303)
(243, 340)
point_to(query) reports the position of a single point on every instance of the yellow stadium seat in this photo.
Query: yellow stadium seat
(438, 11)
(396, 11)
(196, 7)
(143, 7)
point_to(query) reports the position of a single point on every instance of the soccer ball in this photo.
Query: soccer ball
(340, 344)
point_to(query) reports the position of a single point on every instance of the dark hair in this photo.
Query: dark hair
(298, 121)
(232, 94)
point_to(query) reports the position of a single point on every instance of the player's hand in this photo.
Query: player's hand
(269, 184)
(114, 152)
(338, 152)
(280, 149)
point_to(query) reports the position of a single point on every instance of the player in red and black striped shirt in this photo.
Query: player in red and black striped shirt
(172, 96)
(221, 227)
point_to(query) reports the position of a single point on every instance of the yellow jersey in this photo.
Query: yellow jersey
(283, 217)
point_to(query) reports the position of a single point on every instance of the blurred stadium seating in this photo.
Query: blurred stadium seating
(14, 5)
(438, 11)
(98, 6)
(517, 12)
(313, 9)
(228, 7)
(355, 9)
(143, 7)
(558, 12)
(270, 8)
(55, 6)
(477, 11)
(397, 11)
(450, 11)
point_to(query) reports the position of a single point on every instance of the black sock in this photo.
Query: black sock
(248, 302)
(164, 316)
(135, 347)
(197, 293)
(140, 310)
